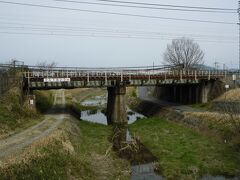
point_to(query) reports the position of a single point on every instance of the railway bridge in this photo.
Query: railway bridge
(179, 85)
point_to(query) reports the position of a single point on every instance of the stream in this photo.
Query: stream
(141, 159)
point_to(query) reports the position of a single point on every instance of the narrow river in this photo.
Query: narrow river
(142, 160)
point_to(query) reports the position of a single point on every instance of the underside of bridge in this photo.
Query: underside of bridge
(188, 93)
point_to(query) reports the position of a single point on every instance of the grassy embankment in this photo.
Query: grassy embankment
(76, 150)
(184, 150)
(204, 106)
(225, 122)
(232, 95)
(15, 116)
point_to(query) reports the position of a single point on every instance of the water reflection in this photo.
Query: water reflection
(98, 116)
(94, 116)
(141, 159)
(99, 101)
(144, 172)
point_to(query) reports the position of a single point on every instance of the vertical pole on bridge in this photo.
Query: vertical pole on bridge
(209, 75)
(88, 78)
(121, 76)
(149, 76)
(105, 78)
(180, 75)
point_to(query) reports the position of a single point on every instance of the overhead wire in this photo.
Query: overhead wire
(104, 35)
(105, 30)
(121, 14)
(168, 5)
(145, 7)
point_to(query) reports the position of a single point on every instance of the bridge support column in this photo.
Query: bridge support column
(197, 94)
(205, 89)
(116, 105)
(174, 93)
(181, 93)
(190, 99)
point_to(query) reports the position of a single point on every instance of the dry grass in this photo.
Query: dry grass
(75, 150)
(223, 126)
(213, 117)
(231, 95)
(32, 152)
(15, 116)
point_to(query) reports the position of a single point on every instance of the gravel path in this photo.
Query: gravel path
(19, 141)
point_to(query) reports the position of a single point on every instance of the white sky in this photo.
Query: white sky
(112, 51)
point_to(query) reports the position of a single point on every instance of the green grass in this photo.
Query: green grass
(78, 107)
(92, 158)
(13, 114)
(204, 106)
(183, 152)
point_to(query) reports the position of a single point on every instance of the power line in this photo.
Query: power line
(104, 36)
(104, 30)
(146, 7)
(168, 5)
(121, 14)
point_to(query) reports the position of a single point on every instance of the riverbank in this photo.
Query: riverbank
(189, 144)
(184, 153)
(75, 150)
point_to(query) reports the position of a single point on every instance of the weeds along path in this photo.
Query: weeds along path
(17, 142)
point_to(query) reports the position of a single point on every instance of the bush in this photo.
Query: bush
(12, 113)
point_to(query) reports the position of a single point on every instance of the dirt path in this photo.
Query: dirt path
(17, 142)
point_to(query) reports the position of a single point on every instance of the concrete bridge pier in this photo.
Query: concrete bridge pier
(116, 105)
(205, 90)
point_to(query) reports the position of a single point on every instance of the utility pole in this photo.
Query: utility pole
(224, 67)
(239, 33)
(216, 65)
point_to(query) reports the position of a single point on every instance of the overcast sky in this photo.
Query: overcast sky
(74, 38)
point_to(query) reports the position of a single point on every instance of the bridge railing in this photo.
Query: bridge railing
(122, 73)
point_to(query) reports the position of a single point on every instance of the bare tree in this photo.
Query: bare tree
(45, 64)
(183, 52)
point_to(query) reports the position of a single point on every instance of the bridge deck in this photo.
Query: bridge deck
(56, 79)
